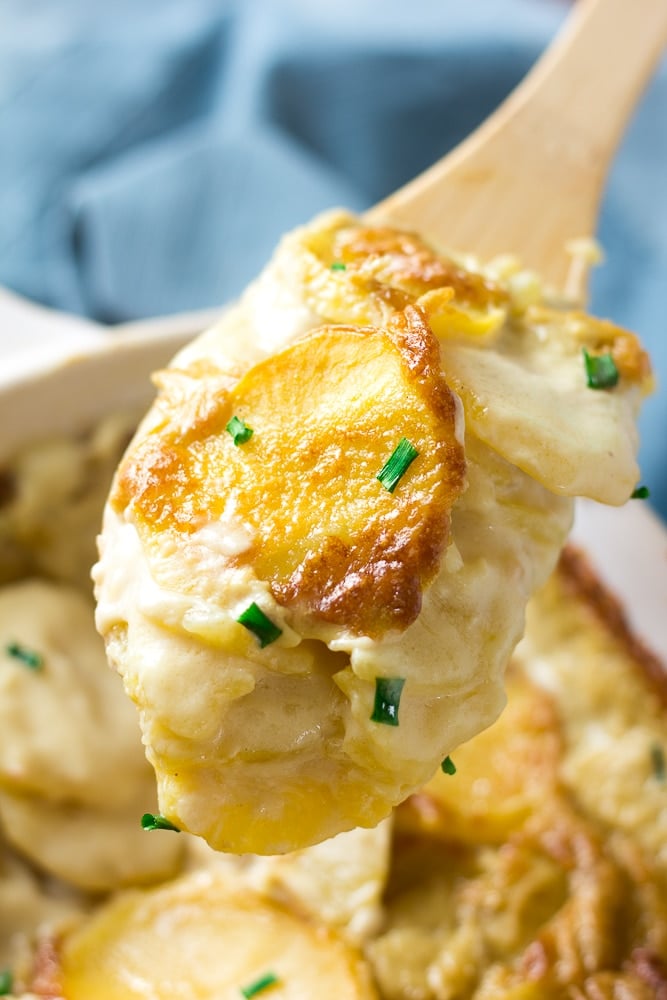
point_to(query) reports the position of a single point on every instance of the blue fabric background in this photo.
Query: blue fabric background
(152, 151)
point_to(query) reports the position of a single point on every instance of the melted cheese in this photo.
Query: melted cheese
(267, 749)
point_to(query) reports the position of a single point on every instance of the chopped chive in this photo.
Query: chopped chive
(397, 464)
(152, 821)
(448, 766)
(6, 982)
(641, 493)
(254, 619)
(27, 656)
(261, 984)
(658, 762)
(239, 430)
(338, 266)
(601, 370)
(387, 699)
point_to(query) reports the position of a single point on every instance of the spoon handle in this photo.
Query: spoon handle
(530, 178)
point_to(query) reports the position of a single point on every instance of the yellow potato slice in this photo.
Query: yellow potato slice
(59, 765)
(501, 776)
(199, 940)
(55, 718)
(93, 849)
(517, 365)
(326, 413)
(337, 551)
(339, 882)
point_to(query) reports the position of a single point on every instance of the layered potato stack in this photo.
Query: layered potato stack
(531, 865)
(308, 624)
(72, 770)
(538, 869)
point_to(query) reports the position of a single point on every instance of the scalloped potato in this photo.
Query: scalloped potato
(304, 643)
(511, 877)
(199, 938)
(536, 870)
(66, 736)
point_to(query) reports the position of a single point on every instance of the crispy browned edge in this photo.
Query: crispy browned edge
(579, 579)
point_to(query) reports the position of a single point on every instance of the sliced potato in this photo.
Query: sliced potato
(613, 723)
(553, 905)
(92, 849)
(338, 883)
(528, 399)
(270, 737)
(326, 414)
(501, 776)
(519, 370)
(198, 940)
(56, 716)
(355, 273)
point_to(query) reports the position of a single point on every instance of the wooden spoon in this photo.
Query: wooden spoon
(530, 178)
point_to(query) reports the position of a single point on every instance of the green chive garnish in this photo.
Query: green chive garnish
(254, 619)
(239, 430)
(6, 982)
(397, 464)
(387, 699)
(448, 766)
(658, 762)
(338, 266)
(151, 821)
(27, 656)
(601, 370)
(261, 984)
(641, 493)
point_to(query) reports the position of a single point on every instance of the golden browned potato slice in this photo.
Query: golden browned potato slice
(365, 272)
(306, 643)
(197, 940)
(567, 898)
(326, 415)
(500, 777)
(553, 905)
(613, 712)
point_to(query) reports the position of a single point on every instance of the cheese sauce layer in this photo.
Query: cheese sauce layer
(318, 549)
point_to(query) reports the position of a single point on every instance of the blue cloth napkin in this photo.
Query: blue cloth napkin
(153, 151)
